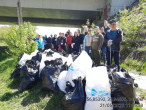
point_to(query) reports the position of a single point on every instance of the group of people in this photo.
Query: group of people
(105, 42)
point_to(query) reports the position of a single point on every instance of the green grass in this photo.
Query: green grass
(2, 44)
(34, 99)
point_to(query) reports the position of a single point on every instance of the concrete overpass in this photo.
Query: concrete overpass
(66, 13)
(72, 13)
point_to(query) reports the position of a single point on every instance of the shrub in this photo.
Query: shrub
(20, 39)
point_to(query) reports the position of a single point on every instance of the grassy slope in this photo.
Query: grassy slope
(33, 99)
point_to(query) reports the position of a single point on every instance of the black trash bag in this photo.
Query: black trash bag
(23, 71)
(57, 62)
(112, 68)
(63, 53)
(123, 70)
(75, 55)
(47, 62)
(64, 67)
(19, 58)
(50, 76)
(16, 72)
(30, 79)
(122, 90)
(33, 64)
(54, 50)
(38, 57)
(75, 97)
(49, 54)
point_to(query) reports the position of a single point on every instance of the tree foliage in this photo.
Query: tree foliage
(20, 39)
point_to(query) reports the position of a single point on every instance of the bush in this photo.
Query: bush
(20, 39)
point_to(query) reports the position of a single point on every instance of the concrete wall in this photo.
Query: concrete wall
(90, 5)
(117, 5)
(113, 6)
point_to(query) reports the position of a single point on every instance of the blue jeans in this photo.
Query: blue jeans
(80, 50)
(103, 49)
(116, 56)
(69, 49)
(87, 50)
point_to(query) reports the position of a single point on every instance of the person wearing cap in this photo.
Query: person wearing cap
(104, 46)
(113, 37)
(106, 27)
(40, 43)
(96, 44)
(87, 42)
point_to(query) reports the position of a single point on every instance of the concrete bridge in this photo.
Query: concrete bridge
(65, 13)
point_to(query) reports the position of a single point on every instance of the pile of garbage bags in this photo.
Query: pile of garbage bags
(86, 87)
(42, 67)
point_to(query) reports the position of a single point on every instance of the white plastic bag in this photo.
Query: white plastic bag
(24, 58)
(79, 67)
(34, 53)
(98, 89)
(61, 81)
(42, 64)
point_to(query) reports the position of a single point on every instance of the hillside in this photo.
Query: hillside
(132, 20)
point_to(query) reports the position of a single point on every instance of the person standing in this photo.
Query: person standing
(48, 42)
(45, 42)
(55, 42)
(87, 42)
(69, 42)
(59, 39)
(63, 42)
(81, 39)
(51, 39)
(104, 46)
(40, 43)
(76, 41)
(114, 37)
(106, 27)
(86, 30)
(96, 44)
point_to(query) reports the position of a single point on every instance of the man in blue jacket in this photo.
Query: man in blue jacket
(40, 43)
(113, 37)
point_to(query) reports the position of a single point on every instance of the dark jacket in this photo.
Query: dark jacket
(106, 29)
(104, 43)
(82, 37)
(59, 39)
(63, 40)
(77, 42)
(51, 39)
(54, 42)
(119, 38)
(48, 40)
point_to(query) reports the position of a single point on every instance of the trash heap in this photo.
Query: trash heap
(86, 87)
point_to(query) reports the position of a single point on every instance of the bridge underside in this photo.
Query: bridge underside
(48, 17)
